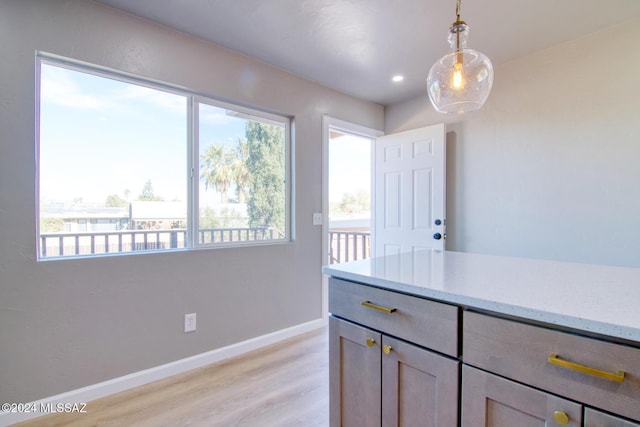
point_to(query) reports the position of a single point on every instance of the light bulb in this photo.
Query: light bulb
(457, 77)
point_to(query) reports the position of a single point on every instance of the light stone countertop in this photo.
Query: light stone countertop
(597, 299)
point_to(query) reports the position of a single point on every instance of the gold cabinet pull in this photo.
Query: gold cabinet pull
(370, 342)
(554, 359)
(369, 304)
(561, 418)
(386, 349)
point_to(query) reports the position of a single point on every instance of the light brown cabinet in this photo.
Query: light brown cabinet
(416, 320)
(593, 372)
(593, 418)
(380, 380)
(376, 380)
(492, 401)
(395, 360)
(504, 403)
(418, 386)
(354, 375)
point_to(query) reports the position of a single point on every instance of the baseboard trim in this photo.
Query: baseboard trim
(116, 385)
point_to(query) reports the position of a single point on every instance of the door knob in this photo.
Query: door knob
(437, 236)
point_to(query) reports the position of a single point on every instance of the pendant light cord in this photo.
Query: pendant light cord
(459, 55)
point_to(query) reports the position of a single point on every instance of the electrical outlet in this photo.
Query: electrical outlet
(190, 322)
(317, 219)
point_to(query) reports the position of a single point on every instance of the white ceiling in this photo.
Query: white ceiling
(356, 46)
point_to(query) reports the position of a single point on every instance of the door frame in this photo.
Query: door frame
(329, 123)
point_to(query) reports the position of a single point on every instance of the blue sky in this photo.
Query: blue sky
(100, 136)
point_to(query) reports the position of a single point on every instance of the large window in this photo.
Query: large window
(127, 165)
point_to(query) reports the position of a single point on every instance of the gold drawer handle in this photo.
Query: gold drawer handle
(369, 304)
(554, 359)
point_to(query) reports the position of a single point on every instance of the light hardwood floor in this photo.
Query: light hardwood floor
(285, 384)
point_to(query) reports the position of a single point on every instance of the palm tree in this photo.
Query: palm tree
(215, 170)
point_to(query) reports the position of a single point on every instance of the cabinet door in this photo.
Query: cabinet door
(354, 375)
(593, 418)
(492, 401)
(419, 387)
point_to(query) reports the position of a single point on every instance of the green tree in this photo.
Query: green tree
(256, 167)
(147, 193)
(265, 162)
(208, 218)
(360, 201)
(240, 170)
(352, 203)
(115, 201)
(51, 225)
(349, 203)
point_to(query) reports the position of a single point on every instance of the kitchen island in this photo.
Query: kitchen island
(515, 339)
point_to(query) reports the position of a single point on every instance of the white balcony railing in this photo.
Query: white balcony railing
(348, 246)
(343, 245)
(70, 244)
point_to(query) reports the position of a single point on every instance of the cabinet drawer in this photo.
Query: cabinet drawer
(427, 323)
(492, 401)
(526, 353)
(593, 418)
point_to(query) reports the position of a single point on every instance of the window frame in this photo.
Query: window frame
(255, 115)
(191, 173)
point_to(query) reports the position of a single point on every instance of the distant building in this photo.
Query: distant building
(79, 219)
(139, 215)
(147, 215)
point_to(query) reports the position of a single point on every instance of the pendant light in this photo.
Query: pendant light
(461, 80)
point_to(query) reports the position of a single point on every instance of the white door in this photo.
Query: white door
(409, 201)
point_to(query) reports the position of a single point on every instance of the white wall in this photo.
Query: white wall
(72, 323)
(550, 167)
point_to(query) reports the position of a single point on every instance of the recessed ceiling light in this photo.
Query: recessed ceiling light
(397, 78)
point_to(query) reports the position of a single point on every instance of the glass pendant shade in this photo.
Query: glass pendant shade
(461, 80)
